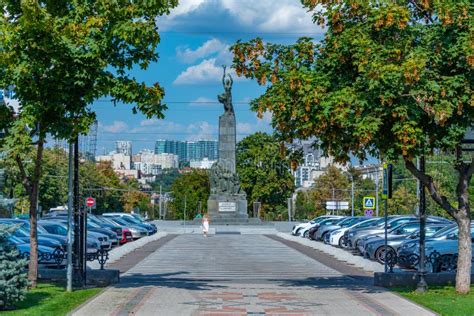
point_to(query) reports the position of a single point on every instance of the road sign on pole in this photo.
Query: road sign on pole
(369, 212)
(90, 202)
(337, 205)
(369, 203)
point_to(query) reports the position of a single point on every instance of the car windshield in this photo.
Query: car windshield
(445, 231)
(330, 221)
(350, 221)
(119, 221)
(405, 229)
(366, 223)
(138, 217)
(15, 240)
(55, 229)
(91, 224)
(130, 220)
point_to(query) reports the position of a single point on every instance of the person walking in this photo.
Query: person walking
(205, 225)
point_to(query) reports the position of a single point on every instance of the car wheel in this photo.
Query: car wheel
(380, 254)
(341, 242)
(306, 234)
(323, 237)
(445, 264)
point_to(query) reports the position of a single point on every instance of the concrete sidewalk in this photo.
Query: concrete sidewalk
(241, 275)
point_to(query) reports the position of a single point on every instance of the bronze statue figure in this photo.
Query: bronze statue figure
(226, 97)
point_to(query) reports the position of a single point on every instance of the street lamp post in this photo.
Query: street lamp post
(422, 285)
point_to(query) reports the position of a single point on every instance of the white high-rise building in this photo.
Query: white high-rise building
(123, 147)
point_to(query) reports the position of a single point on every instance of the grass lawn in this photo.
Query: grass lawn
(443, 300)
(51, 300)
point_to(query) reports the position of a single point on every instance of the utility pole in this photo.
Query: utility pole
(333, 198)
(377, 189)
(352, 194)
(184, 216)
(77, 221)
(70, 206)
(422, 285)
(160, 207)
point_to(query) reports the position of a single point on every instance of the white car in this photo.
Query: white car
(336, 236)
(296, 229)
(325, 221)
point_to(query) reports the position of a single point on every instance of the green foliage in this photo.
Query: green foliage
(165, 179)
(264, 175)
(13, 280)
(442, 300)
(51, 299)
(304, 206)
(388, 79)
(192, 189)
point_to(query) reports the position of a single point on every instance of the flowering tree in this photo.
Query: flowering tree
(390, 79)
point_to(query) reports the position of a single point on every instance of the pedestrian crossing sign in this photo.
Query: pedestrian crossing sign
(369, 203)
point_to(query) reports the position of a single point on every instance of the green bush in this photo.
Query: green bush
(13, 279)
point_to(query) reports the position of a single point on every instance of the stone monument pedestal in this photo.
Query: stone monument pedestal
(227, 208)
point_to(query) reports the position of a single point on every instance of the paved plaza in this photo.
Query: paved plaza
(236, 274)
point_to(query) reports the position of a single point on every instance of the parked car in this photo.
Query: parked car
(57, 228)
(129, 218)
(24, 235)
(136, 231)
(444, 242)
(98, 221)
(374, 248)
(25, 224)
(336, 237)
(46, 255)
(355, 235)
(296, 228)
(310, 229)
(327, 228)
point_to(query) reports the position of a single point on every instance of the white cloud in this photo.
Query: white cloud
(209, 70)
(186, 6)
(205, 72)
(244, 128)
(211, 47)
(201, 130)
(157, 126)
(115, 127)
(267, 118)
(240, 16)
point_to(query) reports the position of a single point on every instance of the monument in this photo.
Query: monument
(227, 202)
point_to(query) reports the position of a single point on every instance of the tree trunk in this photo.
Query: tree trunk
(34, 193)
(463, 274)
(462, 215)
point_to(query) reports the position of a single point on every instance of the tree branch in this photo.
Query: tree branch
(427, 181)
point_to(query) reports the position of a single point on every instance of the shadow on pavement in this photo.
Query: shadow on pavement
(348, 282)
(171, 280)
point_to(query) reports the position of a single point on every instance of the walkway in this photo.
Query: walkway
(227, 274)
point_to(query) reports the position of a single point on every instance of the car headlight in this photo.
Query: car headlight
(337, 231)
(409, 245)
(351, 234)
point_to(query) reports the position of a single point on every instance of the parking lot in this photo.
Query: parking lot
(364, 237)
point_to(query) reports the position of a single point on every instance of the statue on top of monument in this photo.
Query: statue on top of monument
(226, 97)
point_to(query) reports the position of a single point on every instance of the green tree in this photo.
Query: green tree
(304, 207)
(390, 79)
(192, 189)
(13, 280)
(165, 180)
(60, 56)
(332, 185)
(264, 175)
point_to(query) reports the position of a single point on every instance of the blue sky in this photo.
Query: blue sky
(195, 39)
